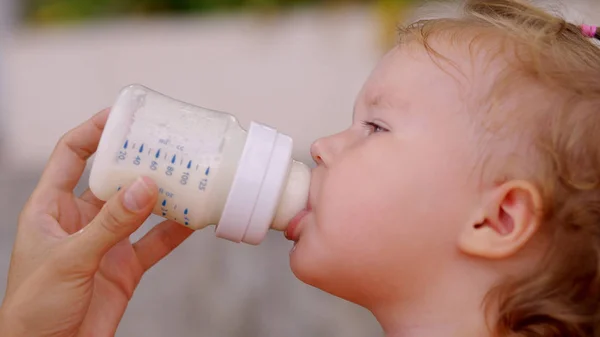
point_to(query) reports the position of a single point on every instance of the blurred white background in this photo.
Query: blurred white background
(298, 71)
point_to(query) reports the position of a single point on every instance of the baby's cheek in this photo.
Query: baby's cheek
(342, 208)
(348, 224)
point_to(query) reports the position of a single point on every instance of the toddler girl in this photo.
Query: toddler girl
(464, 200)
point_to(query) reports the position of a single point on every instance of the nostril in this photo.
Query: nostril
(321, 149)
(315, 152)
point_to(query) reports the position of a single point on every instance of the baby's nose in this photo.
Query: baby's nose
(324, 150)
(316, 151)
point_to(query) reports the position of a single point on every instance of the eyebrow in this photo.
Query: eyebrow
(374, 101)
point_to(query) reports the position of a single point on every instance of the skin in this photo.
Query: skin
(398, 212)
(73, 269)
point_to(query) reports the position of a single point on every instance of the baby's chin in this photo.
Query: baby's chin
(304, 263)
(312, 265)
(314, 261)
(319, 272)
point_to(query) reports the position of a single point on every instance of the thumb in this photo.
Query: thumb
(122, 215)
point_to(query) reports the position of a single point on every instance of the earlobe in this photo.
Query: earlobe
(510, 217)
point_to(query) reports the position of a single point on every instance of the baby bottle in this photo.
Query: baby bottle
(209, 170)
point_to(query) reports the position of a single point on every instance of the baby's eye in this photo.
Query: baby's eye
(373, 127)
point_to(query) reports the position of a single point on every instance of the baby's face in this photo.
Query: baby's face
(391, 192)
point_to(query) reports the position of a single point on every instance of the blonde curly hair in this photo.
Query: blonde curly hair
(561, 297)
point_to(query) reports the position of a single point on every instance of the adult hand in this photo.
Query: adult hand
(73, 269)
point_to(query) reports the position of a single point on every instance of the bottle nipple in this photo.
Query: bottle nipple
(294, 197)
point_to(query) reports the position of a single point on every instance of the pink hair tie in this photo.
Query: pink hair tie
(589, 31)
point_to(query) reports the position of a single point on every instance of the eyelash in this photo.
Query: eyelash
(373, 127)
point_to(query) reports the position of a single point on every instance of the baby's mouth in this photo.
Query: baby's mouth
(291, 233)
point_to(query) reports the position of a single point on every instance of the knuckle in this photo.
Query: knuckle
(111, 218)
(64, 138)
(36, 207)
(166, 239)
(66, 141)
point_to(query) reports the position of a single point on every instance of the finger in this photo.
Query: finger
(159, 242)
(88, 197)
(122, 215)
(89, 206)
(67, 162)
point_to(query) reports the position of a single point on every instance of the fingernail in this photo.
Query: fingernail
(137, 195)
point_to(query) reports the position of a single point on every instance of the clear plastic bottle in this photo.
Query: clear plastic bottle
(208, 169)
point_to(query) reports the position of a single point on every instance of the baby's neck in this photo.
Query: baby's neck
(464, 324)
(451, 307)
(459, 329)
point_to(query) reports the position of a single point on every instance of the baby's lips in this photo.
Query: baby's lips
(287, 235)
(291, 232)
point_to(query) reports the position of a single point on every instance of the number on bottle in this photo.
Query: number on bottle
(170, 170)
(184, 178)
(202, 185)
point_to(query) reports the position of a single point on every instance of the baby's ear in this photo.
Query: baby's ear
(508, 219)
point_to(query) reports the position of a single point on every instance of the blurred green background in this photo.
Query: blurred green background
(52, 11)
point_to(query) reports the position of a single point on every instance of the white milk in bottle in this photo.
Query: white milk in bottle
(208, 169)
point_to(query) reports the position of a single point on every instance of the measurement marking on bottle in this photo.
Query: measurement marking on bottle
(185, 217)
(197, 167)
(173, 159)
(126, 144)
(142, 148)
(202, 185)
(163, 208)
(207, 171)
(157, 154)
(189, 164)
